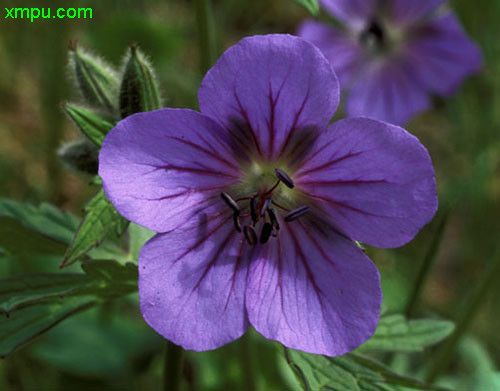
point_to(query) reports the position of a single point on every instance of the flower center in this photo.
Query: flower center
(260, 212)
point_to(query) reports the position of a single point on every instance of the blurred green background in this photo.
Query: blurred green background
(112, 348)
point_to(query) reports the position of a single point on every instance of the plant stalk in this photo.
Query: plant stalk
(172, 369)
(206, 34)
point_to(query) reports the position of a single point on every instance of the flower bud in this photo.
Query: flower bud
(97, 81)
(80, 155)
(93, 124)
(139, 90)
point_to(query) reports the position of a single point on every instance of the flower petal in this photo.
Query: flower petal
(443, 55)
(354, 12)
(408, 11)
(315, 292)
(387, 91)
(192, 284)
(266, 87)
(339, 48)
(374, 180)
(158, 168)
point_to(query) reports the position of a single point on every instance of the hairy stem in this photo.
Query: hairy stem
(206, 34)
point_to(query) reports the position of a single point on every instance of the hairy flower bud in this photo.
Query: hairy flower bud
(80, 155)
(138, 90)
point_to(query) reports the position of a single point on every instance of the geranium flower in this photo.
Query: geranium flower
(392, 54)
(257, 203)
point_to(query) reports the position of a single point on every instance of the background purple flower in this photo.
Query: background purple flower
(216, 268)
(391, 54)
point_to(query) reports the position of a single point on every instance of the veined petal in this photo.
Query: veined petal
(192, 284)
(353, 12)
(387, 90)
(159, 168)
(265, 88)
(408, 11)
(374, 180)
(443, 55)
(341, 49)
(312, 291)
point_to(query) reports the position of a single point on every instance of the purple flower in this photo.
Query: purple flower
(391, 54)
(257, 202)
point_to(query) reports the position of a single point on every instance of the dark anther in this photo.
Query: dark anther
(230, 202)
(265, 207)
(265, 234)
(296, 213)
(273, 218)
(253, 210)
(250, 235)
(283, 177)
(237, 224)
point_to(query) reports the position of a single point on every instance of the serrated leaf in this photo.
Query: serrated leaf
(27, 323)
(97, 80)
(115, 279)
(397, 334)
(22, 291)
(139, 89)
(347, 373)
(310, 5)
(27, 229)
(93, 124)
(100, 219)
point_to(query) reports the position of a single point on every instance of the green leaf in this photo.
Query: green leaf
(97, 81)
(22, 291)
(100, 219)
(91, 123)
(397, 334)
(28, 323)
(27, 229)
(115, 279)
(347, 373)
(139, 89)
(311, 5)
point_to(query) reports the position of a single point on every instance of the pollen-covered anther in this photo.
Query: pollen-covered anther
(296, 213)
(284, 178)
(230, 202)
(274, 219)
(267, 203)
(253, 211)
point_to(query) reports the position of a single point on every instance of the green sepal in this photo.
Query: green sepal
(100, 219)
(97, 81)
(139, 90)
(310, 5)
(93, 124)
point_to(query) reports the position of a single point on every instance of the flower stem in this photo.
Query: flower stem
(473, 303)
(172, 369)
(206, 34)
(426, 266)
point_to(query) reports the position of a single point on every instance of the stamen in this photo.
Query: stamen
(265, 234)
(253, 210)
(296, 213)
(283, 177)
(272, 188)
(237, 223)
(250, 235)
(273, 218)
(230, 202)
(265, 207)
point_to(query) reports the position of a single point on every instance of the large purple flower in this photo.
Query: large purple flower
(257, 203)
(392, 53)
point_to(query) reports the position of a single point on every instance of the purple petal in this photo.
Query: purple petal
(313, 292)
(443, 55)
(373, 179)
(266, 87)
(341, 49)
(159, 168)
(387, 91)
(353, 12)
(408, 11)
(192, 284)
